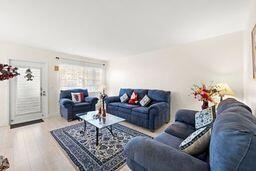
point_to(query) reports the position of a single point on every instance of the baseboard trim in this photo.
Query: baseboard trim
(26, 123)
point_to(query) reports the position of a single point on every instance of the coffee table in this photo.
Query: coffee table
(99, 123)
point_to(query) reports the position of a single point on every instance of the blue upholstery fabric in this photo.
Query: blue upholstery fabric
(128, 91)
(66, 102)
(186, 116)
(151, 117)
(230, 102)
(116, 104)
(159, 95)
(69, 109)
(232, 145)
(112, 99)
(91, 100)
(180, 129)
(141, 109)
(151, 155)
(67, 93)
(141, 93)
(169, 140)
(127, 106)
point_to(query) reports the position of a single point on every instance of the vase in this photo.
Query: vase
(205, 105)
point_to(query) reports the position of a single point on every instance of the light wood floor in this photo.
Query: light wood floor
(32, 148)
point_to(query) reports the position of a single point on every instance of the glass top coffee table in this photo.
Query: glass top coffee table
(99, 123)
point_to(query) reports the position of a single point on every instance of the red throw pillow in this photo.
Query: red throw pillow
(134, 98)
(82, 96)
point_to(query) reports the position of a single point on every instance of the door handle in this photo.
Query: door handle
(43, 93)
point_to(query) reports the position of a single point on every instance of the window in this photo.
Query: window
(79, 76)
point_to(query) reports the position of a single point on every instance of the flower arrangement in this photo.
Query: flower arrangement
(7, 72)
(204, 93)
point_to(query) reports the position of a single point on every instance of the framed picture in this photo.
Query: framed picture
(254, 51)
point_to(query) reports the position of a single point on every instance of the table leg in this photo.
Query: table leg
(84, 125)
(97, 136)
(83, 132)
(111, 131)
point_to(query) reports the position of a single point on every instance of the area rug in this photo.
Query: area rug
(82, 149)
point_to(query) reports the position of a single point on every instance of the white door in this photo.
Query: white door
(28, 99)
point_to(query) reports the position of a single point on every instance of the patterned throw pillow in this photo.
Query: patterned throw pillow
(134, 98)
(197, 142)
(145, 101)
(77, 97)
(124, 98)
(205, 117)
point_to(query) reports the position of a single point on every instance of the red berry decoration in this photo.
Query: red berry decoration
(7, 72)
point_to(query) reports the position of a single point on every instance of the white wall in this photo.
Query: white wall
(14, 51)
(176, 69)
(249, 82)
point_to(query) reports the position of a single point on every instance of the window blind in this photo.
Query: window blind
(81, 76)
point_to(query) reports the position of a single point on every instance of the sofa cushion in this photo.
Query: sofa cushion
(124, 98)
(128, 91)
(141, 109)
(180, 129)
(141, 93)
(77, 97)
(197, 142)
(116, 104)
(145, 101)
(139, 114)
(134, 98)
(67, 93)
(159, 95)
(81, 106)
(174, 142)
(205, 117)
(231, 102)
(127, 106)
(169, 140)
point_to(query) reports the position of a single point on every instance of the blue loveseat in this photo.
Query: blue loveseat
(232, 145)
(69, 109)
(151, 117)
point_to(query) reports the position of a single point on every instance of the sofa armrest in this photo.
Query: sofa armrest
(112, 99)
(155, 156)
(91, 100)
(66, 102)
(186, 116)
(158, 107)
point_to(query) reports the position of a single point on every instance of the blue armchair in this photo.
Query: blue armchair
(69, 109)
(151, 117)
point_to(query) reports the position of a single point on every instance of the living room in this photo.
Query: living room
(118, 85)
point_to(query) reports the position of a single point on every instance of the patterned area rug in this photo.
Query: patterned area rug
(82, 149)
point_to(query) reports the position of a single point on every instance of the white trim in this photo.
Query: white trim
(81, 62)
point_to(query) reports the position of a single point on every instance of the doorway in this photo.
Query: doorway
(28, 98)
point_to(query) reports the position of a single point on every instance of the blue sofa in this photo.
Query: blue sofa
(69, 109)
(232, 146)
(151, 117)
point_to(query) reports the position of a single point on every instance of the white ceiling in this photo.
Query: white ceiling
(107, 29)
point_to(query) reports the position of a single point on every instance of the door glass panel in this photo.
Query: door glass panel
(28, 92)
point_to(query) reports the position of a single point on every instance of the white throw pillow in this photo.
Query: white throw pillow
(205, 117)
(76, 97)
(145, 101)
(197, 142)
(124, 98)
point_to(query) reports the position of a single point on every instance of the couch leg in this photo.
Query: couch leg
(152, 130)
(70, 120)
